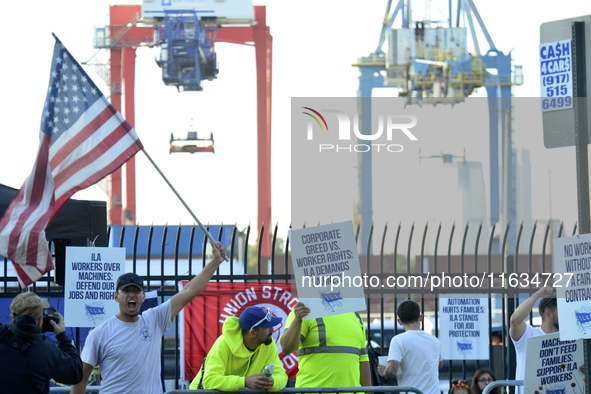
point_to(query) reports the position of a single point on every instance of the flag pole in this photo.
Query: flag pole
(182, 201)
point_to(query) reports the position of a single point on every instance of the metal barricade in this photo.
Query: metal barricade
(500, 383)
(66, 389)
(293, 390)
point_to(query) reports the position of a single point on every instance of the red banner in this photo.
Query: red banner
(205, 315)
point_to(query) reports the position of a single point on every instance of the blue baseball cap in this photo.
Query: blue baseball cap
(257, 316)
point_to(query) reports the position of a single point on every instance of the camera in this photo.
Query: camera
(49, 314)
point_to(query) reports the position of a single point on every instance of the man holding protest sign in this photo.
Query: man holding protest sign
(331, 350)
(520, 331)
(127, 346)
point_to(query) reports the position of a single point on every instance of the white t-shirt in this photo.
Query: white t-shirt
(129, 353)
(520, 351)
(419, 355)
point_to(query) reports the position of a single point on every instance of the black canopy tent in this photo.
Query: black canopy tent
(78, 223)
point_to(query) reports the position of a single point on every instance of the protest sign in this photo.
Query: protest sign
(551, 365)
(464, 328)
(326, 269)
(572, 261)
(91, 276)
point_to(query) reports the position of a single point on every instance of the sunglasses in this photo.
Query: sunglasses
(268, 316)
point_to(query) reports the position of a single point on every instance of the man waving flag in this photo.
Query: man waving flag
(83, 139)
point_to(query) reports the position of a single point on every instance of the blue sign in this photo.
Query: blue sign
(556, 75)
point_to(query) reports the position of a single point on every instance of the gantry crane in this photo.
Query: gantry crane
(187, 57)
(429, 63)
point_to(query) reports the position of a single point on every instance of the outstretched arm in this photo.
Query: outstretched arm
(517, 325)
(198, 283)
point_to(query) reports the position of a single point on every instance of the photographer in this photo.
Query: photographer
(28, 362)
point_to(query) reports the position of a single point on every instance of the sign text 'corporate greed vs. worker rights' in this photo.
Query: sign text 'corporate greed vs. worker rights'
(326, 269)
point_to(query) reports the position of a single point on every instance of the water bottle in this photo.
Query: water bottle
(268, 370)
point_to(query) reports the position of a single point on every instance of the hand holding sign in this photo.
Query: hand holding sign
(546, 292)
(553, 364)
(301, 311)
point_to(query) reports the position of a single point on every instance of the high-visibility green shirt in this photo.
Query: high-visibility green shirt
(330, 351)
(229, 362)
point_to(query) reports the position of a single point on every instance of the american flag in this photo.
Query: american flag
(83, 139)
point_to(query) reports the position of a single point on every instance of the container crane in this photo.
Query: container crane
(187, 56)
(428, 62)
(186, 40)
